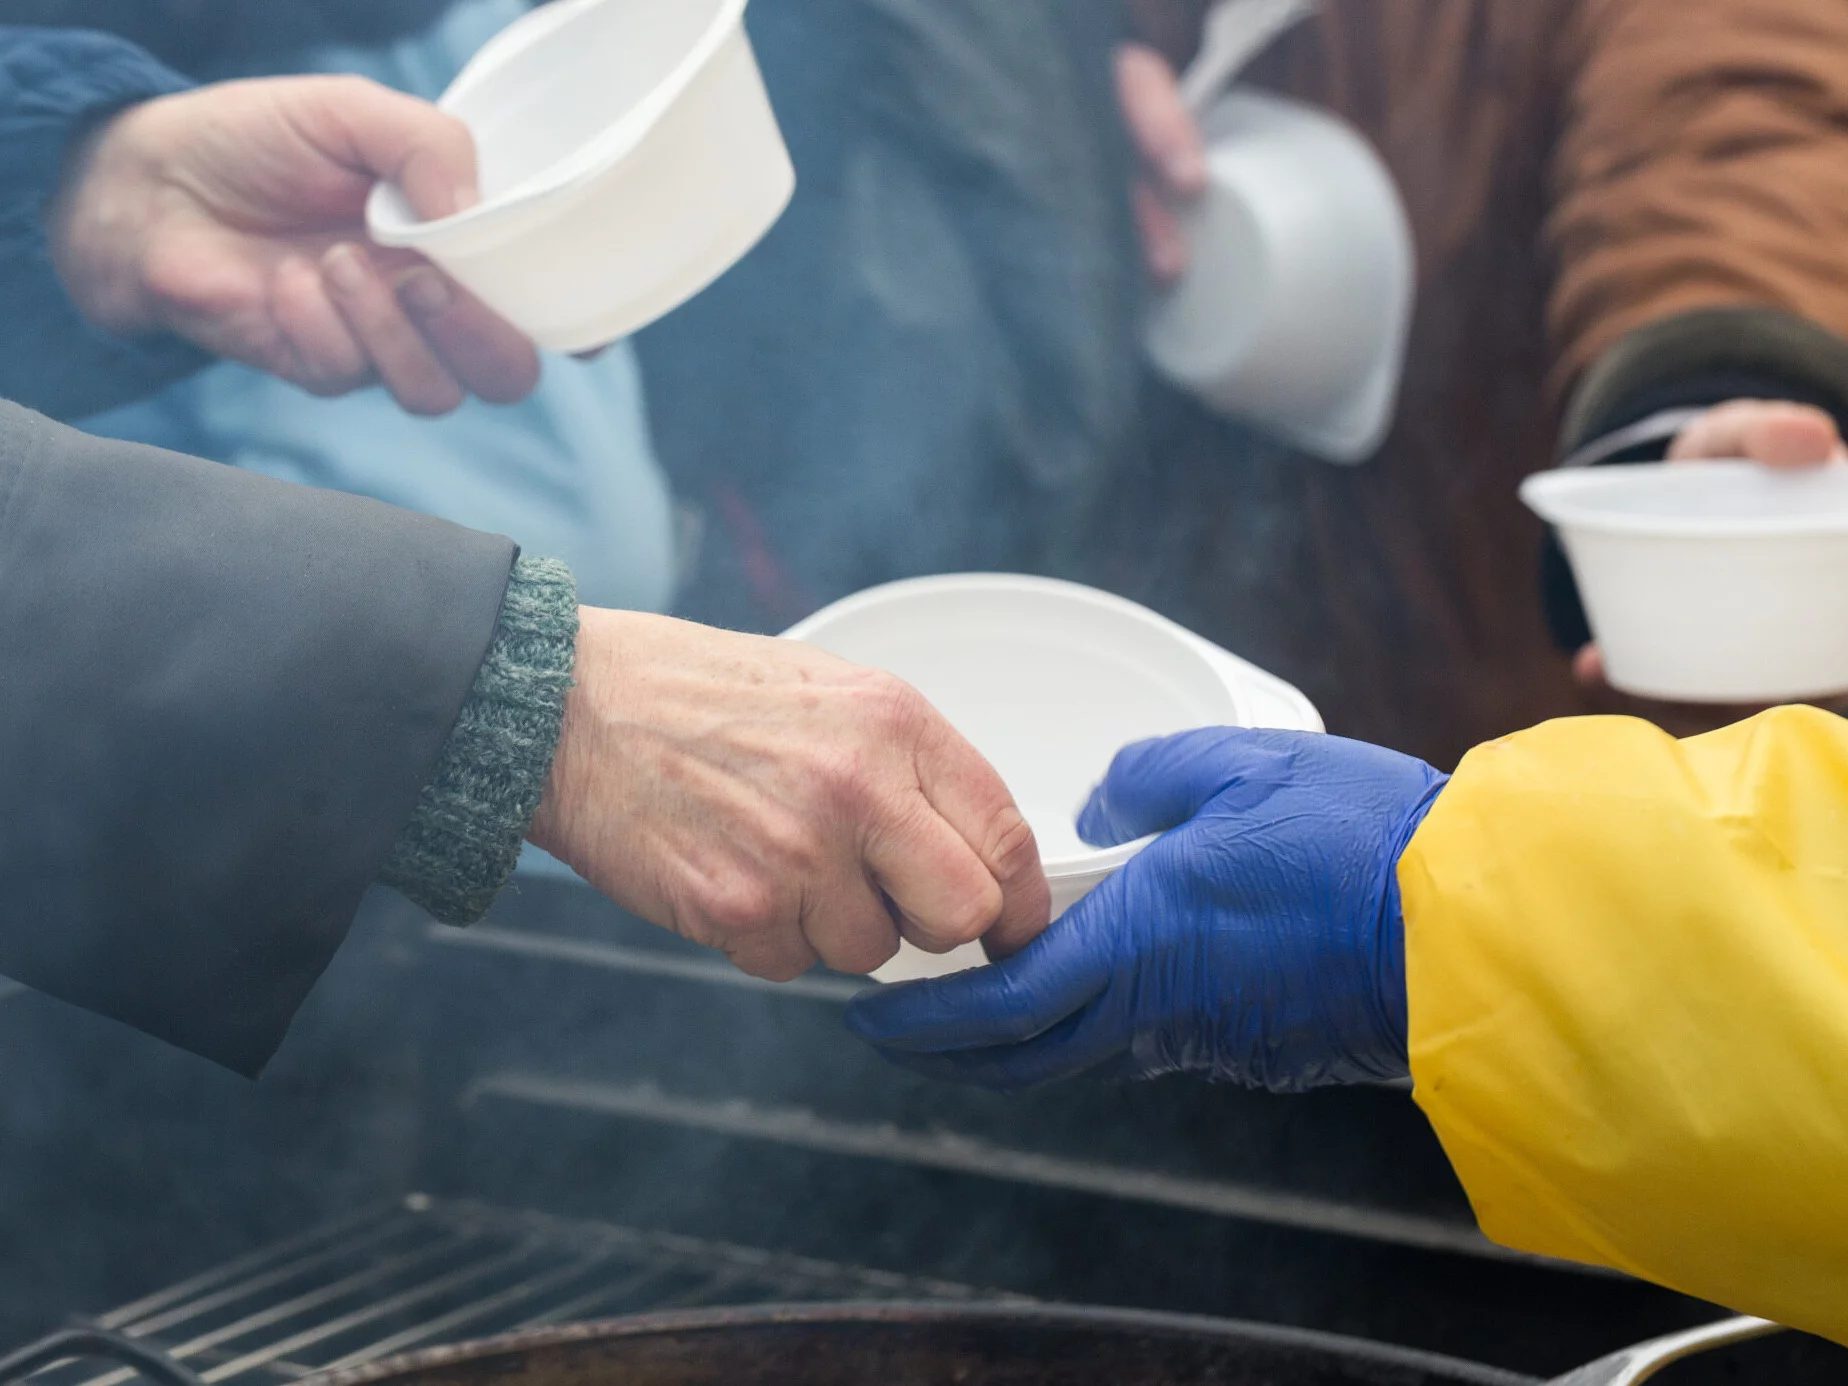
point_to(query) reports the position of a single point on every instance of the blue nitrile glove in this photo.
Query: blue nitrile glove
(1258, 942)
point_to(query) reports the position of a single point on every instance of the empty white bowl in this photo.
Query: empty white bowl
(1293, 311)
(1048, 680)
(1709, 581)
(628, 156)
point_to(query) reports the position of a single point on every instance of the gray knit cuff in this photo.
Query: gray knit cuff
(461, 843)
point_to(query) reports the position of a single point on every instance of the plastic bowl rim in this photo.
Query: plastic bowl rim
(597, 155)
(1024, 582)
(1558, 496)
(1099, 862)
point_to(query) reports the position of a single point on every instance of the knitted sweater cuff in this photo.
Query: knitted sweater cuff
(461, 843)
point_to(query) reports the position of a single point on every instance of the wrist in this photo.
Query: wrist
(1393, 1008)
(95, 220)
(582, 729)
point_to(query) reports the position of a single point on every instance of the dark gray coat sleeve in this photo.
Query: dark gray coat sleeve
(219, 698)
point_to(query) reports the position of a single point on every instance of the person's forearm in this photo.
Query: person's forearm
(1627, 975)
(54, 85)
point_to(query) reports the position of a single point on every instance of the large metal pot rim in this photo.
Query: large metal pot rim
(830, 1314)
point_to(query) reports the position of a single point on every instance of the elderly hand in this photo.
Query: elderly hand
(233, 215)
(765, 798)
(1257, 942)
(1774, 432)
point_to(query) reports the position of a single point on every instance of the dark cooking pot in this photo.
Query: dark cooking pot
(917, 1345)
(921, 1345)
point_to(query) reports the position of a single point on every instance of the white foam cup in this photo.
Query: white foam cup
(1293, 311)
(1709, 581)
(628, 156)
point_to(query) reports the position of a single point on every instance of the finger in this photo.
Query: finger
(945, 895)
(1588, 667)
(1160, 124)
(1774, 432)
(406, 366)
(405, 140)
(779, 957)
(755, 925)
(1159, 784)
(329, 359)
(752, 915)
(1054, 977)
(965, 789)
(848, 926)
(487, 355)
(1164, 244)
(1077, 1045)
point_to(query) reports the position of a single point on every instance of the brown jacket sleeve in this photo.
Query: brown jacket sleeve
(1701, 164)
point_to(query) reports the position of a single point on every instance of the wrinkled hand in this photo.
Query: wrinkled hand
(1171, 153)
(765, 798)
(233, 215)
(1774, 432)
(1257, 942)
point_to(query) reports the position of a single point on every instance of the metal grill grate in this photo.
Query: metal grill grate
(426, 1271)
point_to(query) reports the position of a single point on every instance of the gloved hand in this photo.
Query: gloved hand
(1257, 942)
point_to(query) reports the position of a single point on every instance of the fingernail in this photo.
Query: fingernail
(344, 269)
(426, 292)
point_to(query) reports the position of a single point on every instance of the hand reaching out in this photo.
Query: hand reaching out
(233, 215)
(765, 798)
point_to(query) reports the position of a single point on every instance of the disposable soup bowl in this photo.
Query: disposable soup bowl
(1046, 679)
(628, 156)
(1293, 310)
(1709, 581)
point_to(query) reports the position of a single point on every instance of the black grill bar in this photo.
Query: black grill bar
(948, 1150)
(426, 1271)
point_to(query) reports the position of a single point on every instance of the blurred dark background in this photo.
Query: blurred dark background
(930, 364)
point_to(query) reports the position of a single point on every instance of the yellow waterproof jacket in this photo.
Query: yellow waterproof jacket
(1627, 966)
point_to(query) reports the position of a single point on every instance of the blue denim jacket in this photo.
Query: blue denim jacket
(53, 83)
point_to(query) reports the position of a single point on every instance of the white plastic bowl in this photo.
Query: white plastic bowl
(1294, 308)
(1720, 582)
(1048, 680)
(628, 157)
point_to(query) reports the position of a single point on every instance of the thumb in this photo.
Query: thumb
(1024, 996)
(1156, 785)
(1160, 124)
(1776, 433)
(386, 134)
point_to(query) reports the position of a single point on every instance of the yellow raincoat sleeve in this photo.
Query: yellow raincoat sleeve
(1627, 967)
